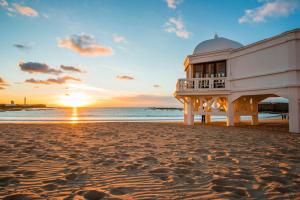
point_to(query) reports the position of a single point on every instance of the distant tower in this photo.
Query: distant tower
(24, 100)
(12, 102)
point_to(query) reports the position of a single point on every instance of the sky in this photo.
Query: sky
(119, 52)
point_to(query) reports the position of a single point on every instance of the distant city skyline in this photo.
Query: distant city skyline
(119, 53)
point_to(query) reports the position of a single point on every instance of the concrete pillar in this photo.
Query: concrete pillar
(294, 111)
(230, 113)
(254, 109)
(188, 111)
(237, 119)
(207, 119)
(254, 120)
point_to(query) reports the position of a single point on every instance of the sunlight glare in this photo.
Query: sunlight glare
(75, 99)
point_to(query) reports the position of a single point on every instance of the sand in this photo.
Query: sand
(148, 161)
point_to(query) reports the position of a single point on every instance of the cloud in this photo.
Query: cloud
(21, 46)
(46, 16)
(17, 8)
(173, 3)
(270, 8)
(156, 86)
(176, 25)
(145, 100)
(84, 45)
(125, 77)
(71, 68)
(118, 38)
(60, 80)
(3, 84)
(3, 3)
(1, 81)
(35, 67)
(25, 10)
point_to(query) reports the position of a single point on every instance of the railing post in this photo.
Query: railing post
(197, 84)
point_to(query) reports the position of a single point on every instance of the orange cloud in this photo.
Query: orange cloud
(70, 68)
(24, 10)
(60, 80)
(85, 45)
(125, 77)
(3, 84)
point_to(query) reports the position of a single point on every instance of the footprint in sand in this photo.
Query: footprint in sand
(5, 181)
(71, 177)
(77, 176)
(121, 190)
(182, 171)
(4, 168)
(93, 195)
(49, 187)
(26, 173)
(148, 160)
(130, 167)
(161, 173)
(197, 172)
(225, 189)
(160, 170)
(186, 179)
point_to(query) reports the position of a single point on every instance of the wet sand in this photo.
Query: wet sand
(148, 161)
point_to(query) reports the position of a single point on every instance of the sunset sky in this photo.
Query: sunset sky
(119, 52)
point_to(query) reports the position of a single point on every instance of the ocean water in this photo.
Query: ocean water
(105, 114)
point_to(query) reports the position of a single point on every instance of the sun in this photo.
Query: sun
(75, 100)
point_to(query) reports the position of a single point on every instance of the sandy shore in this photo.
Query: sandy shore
(148, 161)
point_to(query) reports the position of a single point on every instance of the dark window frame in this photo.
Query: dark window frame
(206, 71)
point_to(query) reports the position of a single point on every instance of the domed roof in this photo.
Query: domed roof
(218, 43)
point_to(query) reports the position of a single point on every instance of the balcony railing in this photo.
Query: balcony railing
(201, 84)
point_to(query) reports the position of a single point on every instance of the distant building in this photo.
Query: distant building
(223, 77)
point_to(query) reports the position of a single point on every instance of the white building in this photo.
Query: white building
(223, 77)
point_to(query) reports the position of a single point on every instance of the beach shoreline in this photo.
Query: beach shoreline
(143, 160)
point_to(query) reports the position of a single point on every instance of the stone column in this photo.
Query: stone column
(207, 118)
(230, 112)
(188, 111)
(254, 120)
(237, 119)
(254, 109)
(294, 111)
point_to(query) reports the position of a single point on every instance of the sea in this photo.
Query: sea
(107, 114)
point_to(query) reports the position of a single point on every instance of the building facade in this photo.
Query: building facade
(223, 77)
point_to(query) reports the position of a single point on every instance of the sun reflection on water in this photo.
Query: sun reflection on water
(74, 118)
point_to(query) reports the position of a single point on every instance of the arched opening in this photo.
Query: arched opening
(260, 108)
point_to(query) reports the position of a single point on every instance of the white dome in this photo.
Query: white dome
(218, 43)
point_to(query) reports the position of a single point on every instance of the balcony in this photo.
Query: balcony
(202, 85)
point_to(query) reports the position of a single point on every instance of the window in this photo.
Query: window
(209, 70)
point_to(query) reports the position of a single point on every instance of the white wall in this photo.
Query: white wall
(262, 61)
(266, 65)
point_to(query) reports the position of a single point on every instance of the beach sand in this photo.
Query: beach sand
(148, 161)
